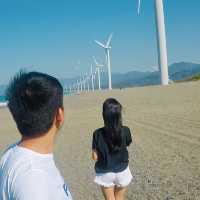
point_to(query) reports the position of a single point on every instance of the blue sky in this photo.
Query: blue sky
(57, 36)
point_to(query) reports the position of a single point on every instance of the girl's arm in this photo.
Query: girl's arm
(94, 155)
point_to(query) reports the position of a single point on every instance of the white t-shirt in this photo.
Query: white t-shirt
(27, 175)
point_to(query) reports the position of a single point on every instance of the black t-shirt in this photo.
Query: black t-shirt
(108, 161)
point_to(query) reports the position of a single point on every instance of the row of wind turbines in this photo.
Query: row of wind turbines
(87, 82)
(83, 84)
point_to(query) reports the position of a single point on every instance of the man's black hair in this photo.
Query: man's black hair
(33, 100)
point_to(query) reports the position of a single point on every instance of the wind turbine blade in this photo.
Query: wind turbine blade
(109, 40)
(100, 44)
(139, 5)
(95, 61)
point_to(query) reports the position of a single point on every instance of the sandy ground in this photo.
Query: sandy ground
(165, 156)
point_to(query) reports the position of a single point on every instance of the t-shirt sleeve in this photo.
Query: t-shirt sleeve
(128, 137)
(34, 186)
(94, 141)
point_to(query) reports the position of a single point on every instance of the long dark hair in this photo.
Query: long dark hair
(112, 123)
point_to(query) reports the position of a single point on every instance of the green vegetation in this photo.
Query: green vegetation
(194, 78)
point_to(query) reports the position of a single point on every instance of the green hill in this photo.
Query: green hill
(194, 78)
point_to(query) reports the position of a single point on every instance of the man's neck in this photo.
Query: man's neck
(43, 144)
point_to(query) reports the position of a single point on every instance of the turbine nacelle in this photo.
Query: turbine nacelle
(107, 45)
(96, 63)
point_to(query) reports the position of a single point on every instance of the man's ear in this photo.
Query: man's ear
(60, 117)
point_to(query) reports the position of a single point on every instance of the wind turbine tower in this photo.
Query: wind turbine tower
(92, 79)
(98, 66)
(81, 84)
(83, 81)
(107, 48)
(87, 82)
(161, 40)
(77, 87)
(70, 89)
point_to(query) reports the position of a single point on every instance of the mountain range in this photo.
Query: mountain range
(177, 72)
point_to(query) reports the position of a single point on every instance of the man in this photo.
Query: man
(27, 168)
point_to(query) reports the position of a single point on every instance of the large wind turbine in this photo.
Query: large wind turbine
(161, 40)
(107, 48)
(98, 66)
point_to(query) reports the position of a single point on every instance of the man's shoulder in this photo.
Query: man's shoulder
(11, 168)
(13, 162)
(8, 149)
(23, 168)
(16, 161)
(7, 155)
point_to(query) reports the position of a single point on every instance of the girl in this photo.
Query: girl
(109, 150)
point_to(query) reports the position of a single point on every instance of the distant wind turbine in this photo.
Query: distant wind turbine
(92, 78)
(78, 87)
(107, 48)
(98, 67)
(74, 88)
(84, 82)
(161, 40)
(81, 84)
(87, 79)
(70, 89)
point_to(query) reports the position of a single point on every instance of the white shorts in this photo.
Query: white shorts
(110, 179)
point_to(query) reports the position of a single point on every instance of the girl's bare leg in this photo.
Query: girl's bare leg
(108, 193)
(119, 193)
